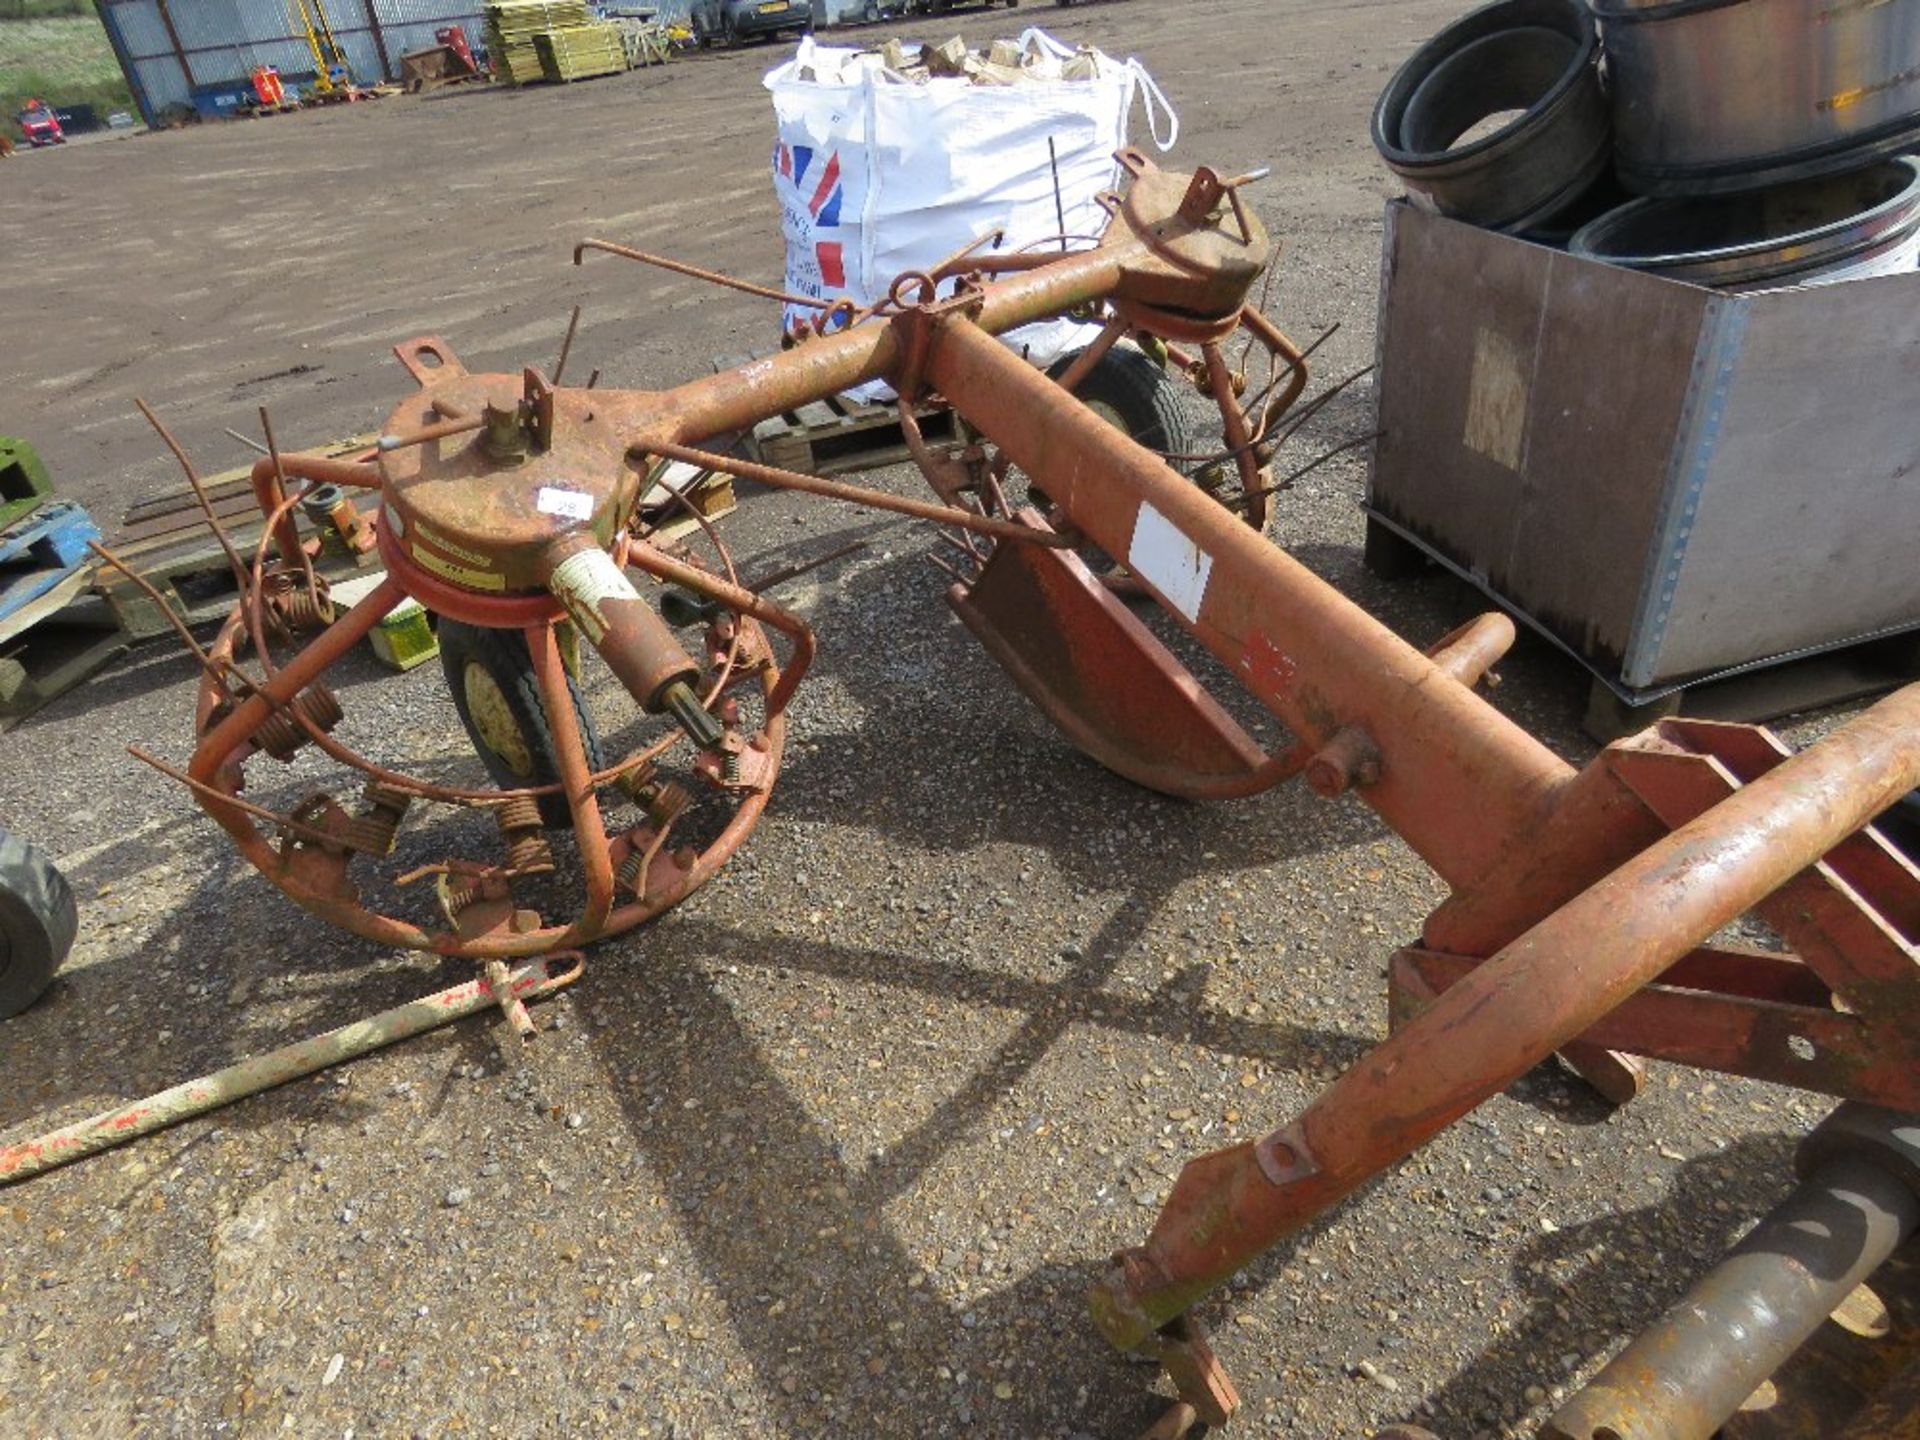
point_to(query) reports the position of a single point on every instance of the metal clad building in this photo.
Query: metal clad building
(170, 49)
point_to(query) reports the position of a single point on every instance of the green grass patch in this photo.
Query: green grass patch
(63, 60)
(38, 9)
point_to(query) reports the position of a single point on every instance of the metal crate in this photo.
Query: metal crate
(1674, 483)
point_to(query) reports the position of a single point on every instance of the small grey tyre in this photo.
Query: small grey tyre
(38, 920)
(1130, 390)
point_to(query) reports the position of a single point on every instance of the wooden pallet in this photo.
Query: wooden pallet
(837, 435)
(709, 491)
(165, 538)
(1810, 682)
(65, 640)
(50, 639)
(39, 553)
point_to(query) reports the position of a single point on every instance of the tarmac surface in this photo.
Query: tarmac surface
(835, 1148)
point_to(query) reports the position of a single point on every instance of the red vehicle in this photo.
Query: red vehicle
(40, 125)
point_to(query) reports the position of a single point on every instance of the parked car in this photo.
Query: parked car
(873, 11)
(40, 125)
(940, 7)
(728, 22)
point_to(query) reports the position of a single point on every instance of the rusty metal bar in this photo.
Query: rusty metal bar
(246, 717)
(1082, 364)
(1807, 1043)
(193, 1098)
(1545, 989)
(1233, 422)
(1457, 778)
(698, 272)
(749, 602)
(427, 434)
(1470, 652)
(199, 494)
(1280, 345)
(1686, 1376)
(854, 494)
(737, 399)
(570, 756)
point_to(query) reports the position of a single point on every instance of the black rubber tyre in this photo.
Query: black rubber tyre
(520, 751)
(38, 921)
(1540, 57)
(1129, 389)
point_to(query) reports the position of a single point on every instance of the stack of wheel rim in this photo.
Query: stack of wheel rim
(1764, 139)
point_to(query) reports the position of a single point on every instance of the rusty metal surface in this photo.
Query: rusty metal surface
(1856, 1378)
(1548, 987)
(1099, 673)
(510, 502)
(1458, 780)
(533, 981)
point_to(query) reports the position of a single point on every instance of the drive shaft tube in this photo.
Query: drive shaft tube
(636, 643)
(1686, 1376)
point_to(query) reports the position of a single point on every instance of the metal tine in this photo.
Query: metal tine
(566, 347)
(280, 474)
(1286, 481)
(1317, 404)
(240, 573)
(967, 580)
(1214, 457)
(152, 592)
(239, 802)
(963, 545)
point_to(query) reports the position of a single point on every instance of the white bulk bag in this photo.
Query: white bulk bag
(876, 176)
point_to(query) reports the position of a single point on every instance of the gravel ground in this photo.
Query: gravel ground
(836, 1147)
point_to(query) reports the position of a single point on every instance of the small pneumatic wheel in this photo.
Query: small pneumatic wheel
(38, 920)
(1133, 392)
(490, 677)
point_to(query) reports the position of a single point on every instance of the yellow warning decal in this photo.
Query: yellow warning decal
(459, 552)
(459, 574)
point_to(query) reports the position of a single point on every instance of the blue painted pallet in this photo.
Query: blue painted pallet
(42, 551)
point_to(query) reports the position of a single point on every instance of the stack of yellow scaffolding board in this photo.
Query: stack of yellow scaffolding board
(512, 26)
(579, 52)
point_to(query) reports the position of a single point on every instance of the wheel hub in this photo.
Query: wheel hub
(493, 720)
